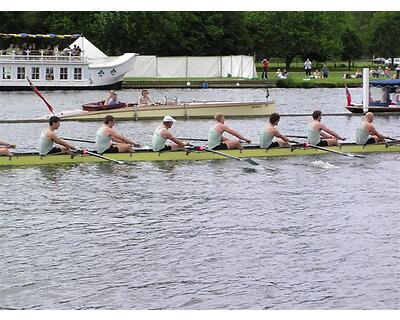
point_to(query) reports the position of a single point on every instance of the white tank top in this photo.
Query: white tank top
(45, 145)
(103, 141)
(314, 135)
(265, 138)
(362, 134)
(158, 141)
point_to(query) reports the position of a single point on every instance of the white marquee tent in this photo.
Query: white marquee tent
(89, 49)
(194, 67)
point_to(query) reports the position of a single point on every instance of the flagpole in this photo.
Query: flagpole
(365, 89)
(40, 96)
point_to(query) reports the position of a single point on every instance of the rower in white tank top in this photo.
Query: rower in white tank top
(366, 132)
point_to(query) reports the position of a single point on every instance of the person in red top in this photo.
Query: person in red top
(265, 65)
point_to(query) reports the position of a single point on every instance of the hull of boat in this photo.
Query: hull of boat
(359, 109)
(185, 111)
(148, 155)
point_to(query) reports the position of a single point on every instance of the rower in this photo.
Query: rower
(270, 131)
(216, 140)
(317, 130)
(4, 148)
(162, 134)
(366, 133)
(108, 140)
(48, 137)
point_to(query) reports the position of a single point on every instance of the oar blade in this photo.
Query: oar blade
(355, 155)
(251, 161)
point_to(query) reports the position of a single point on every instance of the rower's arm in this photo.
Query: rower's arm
(323, 127)
(168, 135)
(59, 141)
(372, 131)
(279, 135)
(236, 134)
(120, 138)
(6, 144)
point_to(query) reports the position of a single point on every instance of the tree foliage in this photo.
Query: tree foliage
(285, 35)
(385, 33)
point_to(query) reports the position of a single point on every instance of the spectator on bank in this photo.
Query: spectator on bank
(278, 72)
(325, 71)
(316, 74)
(308, 67)
(398, 71)
(358, 74)
(380, 72)
(347, 76)
(386, 73)
(283, 75)
(265, 66)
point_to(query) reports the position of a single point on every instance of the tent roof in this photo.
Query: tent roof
(89, 49)
(384, 83)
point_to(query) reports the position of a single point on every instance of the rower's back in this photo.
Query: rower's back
(103, 140)
(362, 133)
(214, 136)
(158, 141)
(314, 133)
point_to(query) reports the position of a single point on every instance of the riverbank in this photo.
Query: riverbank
(295, 80)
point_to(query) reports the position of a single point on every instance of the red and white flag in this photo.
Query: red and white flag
(348, 96)
(40, 95)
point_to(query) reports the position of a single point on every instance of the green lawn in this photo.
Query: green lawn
(299, 79)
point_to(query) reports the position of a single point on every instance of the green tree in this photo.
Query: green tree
(384, 35)
(315, 35)
(352, 46)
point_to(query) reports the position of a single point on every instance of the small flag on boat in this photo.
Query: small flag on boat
(348, 96)
(40, 95)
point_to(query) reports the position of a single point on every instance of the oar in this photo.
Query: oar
(89, 141)
(293, 136)
(300, 137)
(85, 151)
(192, 139)
(249, 160)
(200, 139)
(12, 146)
(334, 151)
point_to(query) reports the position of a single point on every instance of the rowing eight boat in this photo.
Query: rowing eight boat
(30, 159)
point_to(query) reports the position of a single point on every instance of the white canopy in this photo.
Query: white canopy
(210, 66)
(90, 51)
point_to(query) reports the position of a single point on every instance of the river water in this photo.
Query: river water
(316, 232)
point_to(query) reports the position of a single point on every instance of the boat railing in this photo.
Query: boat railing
(41, 56)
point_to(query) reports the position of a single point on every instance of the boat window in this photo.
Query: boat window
(35, 73)
(7, 73)
(77, 73)
(21, 73)
(63, 73)
(50, 73)
(377, 95)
